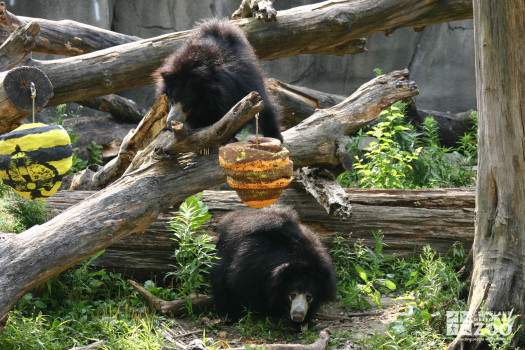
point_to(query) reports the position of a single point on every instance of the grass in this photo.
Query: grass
(85, 304)
(79, 307)
(17, 213)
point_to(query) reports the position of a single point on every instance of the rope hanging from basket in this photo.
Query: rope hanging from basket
(33, 96)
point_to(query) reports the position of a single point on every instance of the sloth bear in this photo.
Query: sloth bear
(272, 264)
(210, 73)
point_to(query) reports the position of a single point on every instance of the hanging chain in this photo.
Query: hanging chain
(257, 129)
(33, 96)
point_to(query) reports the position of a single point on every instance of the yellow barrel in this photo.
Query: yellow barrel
(33, 159)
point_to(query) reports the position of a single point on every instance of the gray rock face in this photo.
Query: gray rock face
(440, 58)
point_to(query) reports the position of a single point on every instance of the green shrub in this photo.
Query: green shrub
(194, 255)
(400, 157)
(386, 163)
(361, 272)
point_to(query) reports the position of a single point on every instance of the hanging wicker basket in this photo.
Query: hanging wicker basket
(257, 172)
(33, 159)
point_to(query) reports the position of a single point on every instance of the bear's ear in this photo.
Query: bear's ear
(167, 76)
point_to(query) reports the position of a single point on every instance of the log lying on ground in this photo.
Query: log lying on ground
(325, 28)
(408, 219)
(131, 204)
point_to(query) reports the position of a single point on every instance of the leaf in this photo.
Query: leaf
(40, 304)
(389, 284)
(361, 273)
(397, 328)
(410, 282)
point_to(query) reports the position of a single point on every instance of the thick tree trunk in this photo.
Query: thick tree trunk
(130, 204)
(408, 219)
(498, 250)
(332, 28)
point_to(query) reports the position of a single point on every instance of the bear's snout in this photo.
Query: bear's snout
(299, 308)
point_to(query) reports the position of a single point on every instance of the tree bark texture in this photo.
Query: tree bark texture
(499, 242)
(351, 19)
(66, 38)
(298, 103)
(200, 303)
(20, 43)
(119, 107)
(326, 130)
(130, 204)
(408, 220)
(333, 28)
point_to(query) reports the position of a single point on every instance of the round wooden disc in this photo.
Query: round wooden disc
(17, 85)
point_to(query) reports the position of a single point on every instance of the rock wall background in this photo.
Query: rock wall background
(440, 58)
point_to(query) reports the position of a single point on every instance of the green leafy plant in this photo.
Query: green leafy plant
(95, 153)
(499, 330)
(386, 163)
(434, 289)
(82, 305)
(360, 272)
(400, 157)
(194, 255)
(439, 166)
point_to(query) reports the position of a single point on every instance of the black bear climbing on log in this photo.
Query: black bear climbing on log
(272, 264)
(210, 73)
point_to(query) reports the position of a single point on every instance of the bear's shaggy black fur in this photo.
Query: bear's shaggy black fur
(268, 260)
(210, 73)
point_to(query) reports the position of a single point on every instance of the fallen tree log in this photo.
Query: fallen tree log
(131, 204)
(332, 28)
(120, 107)
(70, 38)
(298, 103)
(18, 46)
(408, 219)
(66, 38)
(327, 133)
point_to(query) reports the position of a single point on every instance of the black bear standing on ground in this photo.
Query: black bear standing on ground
(271, 263)
(210, 73)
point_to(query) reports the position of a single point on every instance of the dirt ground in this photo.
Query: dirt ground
(332, 316)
